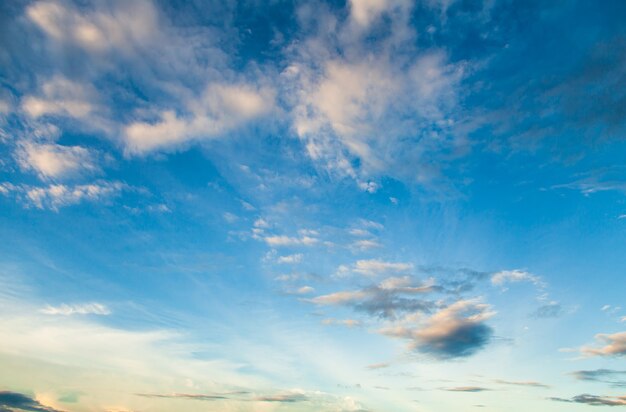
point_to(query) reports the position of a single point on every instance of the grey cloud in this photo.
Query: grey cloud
(454, 280)
(459, 330)
(464, 340)
(549, 310)
(612, 377)
(14, 401)
(385, 300)
(594, 400)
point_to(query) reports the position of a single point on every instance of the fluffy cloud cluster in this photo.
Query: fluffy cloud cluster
(82, 309)
(358, 113)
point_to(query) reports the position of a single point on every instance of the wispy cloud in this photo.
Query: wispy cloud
(78, 309)
(530, 384)
(466, 389)
(612, 377)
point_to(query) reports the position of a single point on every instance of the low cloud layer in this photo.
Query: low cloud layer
(14, 401)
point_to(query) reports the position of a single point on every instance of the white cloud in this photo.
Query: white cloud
(82, 309)
(350, 323)
(51, 160)
(514, 276)
(61, 96)
(369, 108)
(360, 232)
(370, 224)
(295, 258)
(305, 290)
(290, 241)
(261, 223)
(369, 187)
(222, 108)
(375, 267)
(340, 298)
(55, 196)
(366, 244)
(230, 217)
(364, 12)
(117, 28)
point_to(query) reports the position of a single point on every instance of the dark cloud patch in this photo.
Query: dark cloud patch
(14, 401)
(456, 331)
(594, 400)
(609, 376)
(462, 341)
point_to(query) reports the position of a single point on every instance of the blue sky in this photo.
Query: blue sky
(368, 205)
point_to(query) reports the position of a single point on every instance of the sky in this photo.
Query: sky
(362, 205)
